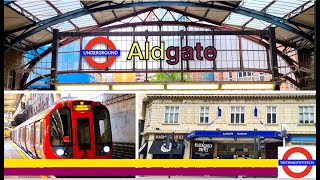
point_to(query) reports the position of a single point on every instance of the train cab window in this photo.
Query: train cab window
(102, 127)
(60, 127)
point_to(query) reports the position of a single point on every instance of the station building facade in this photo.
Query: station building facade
(224, 126)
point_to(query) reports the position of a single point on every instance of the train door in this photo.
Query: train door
(33, 139)
(24, 138)
(27, 137)
(19, 140)
(84, 147)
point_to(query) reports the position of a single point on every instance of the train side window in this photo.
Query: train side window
(32, 133)
(41, 132)
(19, 134)
(60, 128)
(24, 134)
(27, 134)
(37, 133)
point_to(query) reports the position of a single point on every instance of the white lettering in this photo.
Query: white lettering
(225, 134)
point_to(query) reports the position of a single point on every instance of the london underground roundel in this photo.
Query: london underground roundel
(110, 53)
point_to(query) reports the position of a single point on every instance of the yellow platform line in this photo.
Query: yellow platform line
(139, 163)
(22, 154)
(19, 150)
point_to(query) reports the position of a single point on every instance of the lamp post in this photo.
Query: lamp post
(172, 139)
(283, 134)
(254, 144)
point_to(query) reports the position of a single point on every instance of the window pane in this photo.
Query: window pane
(242, 109)
(301, 121)
(300, 116)
(176, 118)
(237, 118)
(300, 109)
(102, 126)
(207, 119)
(166, 118)
(59, 126)
(83, 133)
(312, 109)
(201, 119)
(41, 132)
(232, 118)
(268, 118)
(242, 118)
(274, 118)
(171, 118)
(311, 117)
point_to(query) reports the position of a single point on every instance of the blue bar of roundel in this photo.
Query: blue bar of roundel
(83, 52)
(303, 162)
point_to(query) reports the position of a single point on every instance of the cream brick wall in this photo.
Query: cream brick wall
(287, 113)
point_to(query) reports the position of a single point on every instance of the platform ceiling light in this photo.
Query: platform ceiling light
(247, 86)
(138, 87)
(192, 86)
(84, 87)
(9, 109)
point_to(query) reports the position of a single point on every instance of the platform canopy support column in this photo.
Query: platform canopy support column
(54, 61)
(274, 60)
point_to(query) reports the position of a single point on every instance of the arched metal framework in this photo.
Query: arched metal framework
(41, 25)
(256, 39)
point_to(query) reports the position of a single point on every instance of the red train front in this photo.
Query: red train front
(68, 129)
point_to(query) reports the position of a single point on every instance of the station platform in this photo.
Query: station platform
(12, 151)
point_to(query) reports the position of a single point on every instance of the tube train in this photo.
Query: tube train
(78, 129)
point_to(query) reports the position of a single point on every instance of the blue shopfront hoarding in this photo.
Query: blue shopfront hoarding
(235, 134)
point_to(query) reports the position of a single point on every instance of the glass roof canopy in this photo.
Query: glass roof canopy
(279, 8)
(46, 9)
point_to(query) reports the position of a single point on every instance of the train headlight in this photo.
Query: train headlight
(60, 152)
(106, 149)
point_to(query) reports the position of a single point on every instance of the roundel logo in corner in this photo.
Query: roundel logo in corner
(91, 50)
(297, 162)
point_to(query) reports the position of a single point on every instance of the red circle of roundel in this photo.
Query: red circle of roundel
(286, 157)
(109, 60)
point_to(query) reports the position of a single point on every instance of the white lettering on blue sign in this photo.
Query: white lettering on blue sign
(227, 134)
(100, 52)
